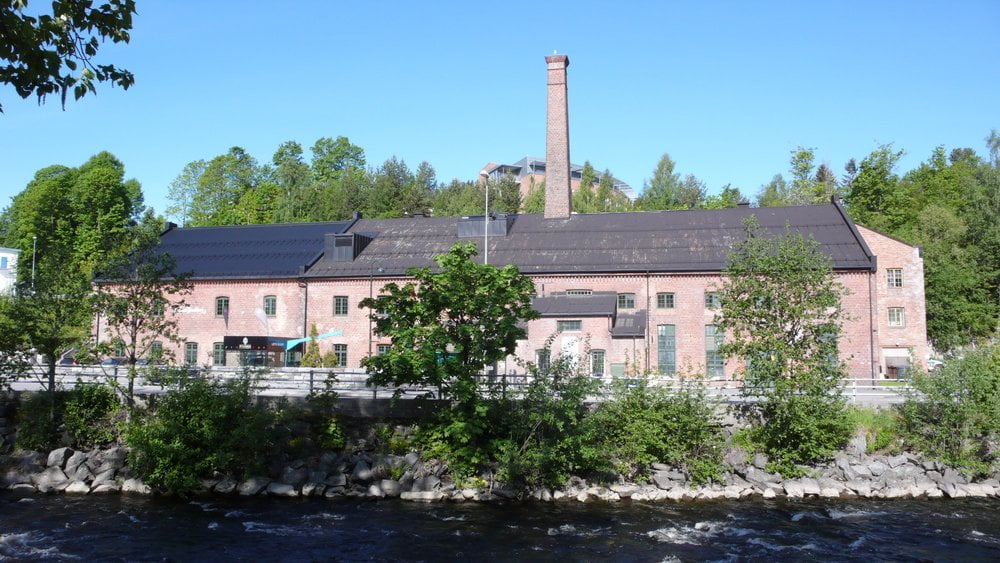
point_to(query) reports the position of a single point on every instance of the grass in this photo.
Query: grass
(880, 426)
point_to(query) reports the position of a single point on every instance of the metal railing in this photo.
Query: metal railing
(354, 383)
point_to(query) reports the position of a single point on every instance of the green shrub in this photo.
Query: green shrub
(954, 413)
(333, 436)
(643, 425)
(880, 427)
(545, 440)
(37, 429)
(201, 428)
(802, 428)
(91, 415)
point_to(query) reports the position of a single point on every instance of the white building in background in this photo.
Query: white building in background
(8, 269)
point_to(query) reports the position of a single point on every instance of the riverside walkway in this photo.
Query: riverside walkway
(352, 384)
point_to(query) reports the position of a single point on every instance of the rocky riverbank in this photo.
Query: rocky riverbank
(851, 474)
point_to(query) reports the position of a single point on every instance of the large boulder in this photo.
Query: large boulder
(425, 484)
(226, 486)
(136, 487)
(390, 487)
(77, 488)
(58, 457)
(362, 472)
(74, 462)
(295, 476)
(422, 496)
(281, 490)
(51, 480)
(253, 486)
(857, 446)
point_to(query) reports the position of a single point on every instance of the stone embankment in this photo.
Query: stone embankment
(852, 474)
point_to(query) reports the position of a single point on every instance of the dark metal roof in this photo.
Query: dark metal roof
(247, 251)
(661, 241)
(602, 304)
(631, 325)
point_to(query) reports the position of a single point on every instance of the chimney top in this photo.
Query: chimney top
(557, 59)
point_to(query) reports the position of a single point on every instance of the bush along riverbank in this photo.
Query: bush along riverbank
(643, 444)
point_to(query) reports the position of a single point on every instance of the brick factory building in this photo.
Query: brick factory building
(613, 289)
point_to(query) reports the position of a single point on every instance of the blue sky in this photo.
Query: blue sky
(728, 89)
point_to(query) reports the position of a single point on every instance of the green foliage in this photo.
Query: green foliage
(781, 311)
(446, 326)
(91, 416)
(535, 202)
(954, 414)
(312, 358)
(666, 190)
(37, 428)
(201, 428)
(881, 428)
(332, 438)
(642, 425)
(546, 440)
(36, 47)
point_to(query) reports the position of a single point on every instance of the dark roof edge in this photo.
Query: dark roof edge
(854, 231)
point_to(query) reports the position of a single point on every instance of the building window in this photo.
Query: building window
(119, 348)
(221, 306)
(664, 300)
(712, 300)
(666, 349)
(191, 353)
(617, 370)
(3, 263)
(626, 301)
(270, 305)
(542, 359)
(896, 316)
(713, 359)
(597, 363)
(218, 354)
(894, 277)
(579, 292)
(340, 306)
(156, 350)
(382, 349)
(159, 306)
(340, 354)
(569, 326)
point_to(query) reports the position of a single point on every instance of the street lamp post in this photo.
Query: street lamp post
(486, 225)
(34, 250)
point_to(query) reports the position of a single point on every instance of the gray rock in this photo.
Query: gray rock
(735, 457)
(113, 458)
(858, 445)
(760, 461)
(759, 477)
(623, 491)
(374, 491)
(313, 489)
(793, 489)
(390, 487)
(23, 487)
(226, 486)
(83, 473)
(106, 475)
(317, 477)
(105, 488)
(294, 476)
(861, 488)
(898, 461)
(253, 486)
(660, 466)
(422, 496)
(336, 480)
(281, 490)
(332, 492)
(662, 480)
(58, 457)
(425, 484)
(77, 488)
(876, 468)
(411, 458)
(861, 471)
(136, 487)
(929, 466)
(50, 480)
(952, 476)
(362, 472)
(809, 486)
(949, 488)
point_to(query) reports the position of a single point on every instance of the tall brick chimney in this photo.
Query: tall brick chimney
(558, 196)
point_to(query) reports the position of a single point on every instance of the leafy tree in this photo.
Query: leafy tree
(803, 189)
(446, 326)
(138, 298)
(182, 189)
(332, 157)
(458, 199)
(607, 198)
(535, 202)
(781, 313)
(34, 49)
(505, 194)
(312, 358)
(774, 193)
(221, 186)
(729, 197)
(826, 184)
(666, 190)
(874, 200)
(584, 199)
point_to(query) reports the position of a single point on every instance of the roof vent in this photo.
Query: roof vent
(344, 247)
(496, 226)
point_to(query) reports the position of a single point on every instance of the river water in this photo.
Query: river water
(262, 529)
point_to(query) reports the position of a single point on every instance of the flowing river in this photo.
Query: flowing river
(219, 529)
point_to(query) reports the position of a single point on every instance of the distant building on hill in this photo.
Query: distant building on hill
(530, 171)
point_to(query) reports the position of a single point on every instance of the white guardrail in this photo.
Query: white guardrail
(300, 382)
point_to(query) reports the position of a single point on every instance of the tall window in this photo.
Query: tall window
(156, 350)
(218, 354)
(340, 306)
(542, 358)
(713, 359)
(894, 277)
(119, 348)
(270, 305)
(666, 349)
(597, 363)
(712, 300)
(896, 316)
(664, 300)
(340, 355)
(569, 326)
(221, 306)
(579, 292)
(159, 306)
(191, 353)
(626, 301)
